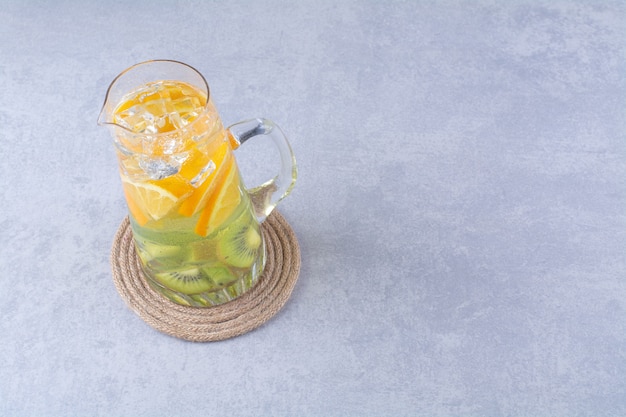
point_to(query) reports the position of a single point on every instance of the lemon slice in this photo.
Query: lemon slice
(153, 200)
(222, 203)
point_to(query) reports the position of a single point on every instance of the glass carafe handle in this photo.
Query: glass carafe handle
(267, 195)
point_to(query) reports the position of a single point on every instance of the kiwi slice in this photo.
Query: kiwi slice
(186, 281)
(220, 275)
(201, 251)
(152, 251)
(239, 244)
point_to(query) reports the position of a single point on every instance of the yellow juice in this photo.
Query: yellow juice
(194, 228)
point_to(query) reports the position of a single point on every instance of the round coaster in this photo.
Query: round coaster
(206, 324)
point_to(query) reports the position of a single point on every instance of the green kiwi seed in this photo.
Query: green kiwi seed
(239, 245)
(186, 281)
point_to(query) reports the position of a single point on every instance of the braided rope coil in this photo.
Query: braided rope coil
(197, 324)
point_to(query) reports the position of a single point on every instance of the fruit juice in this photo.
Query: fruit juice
(192, 220)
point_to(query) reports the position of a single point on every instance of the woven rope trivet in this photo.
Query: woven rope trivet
(207, 324)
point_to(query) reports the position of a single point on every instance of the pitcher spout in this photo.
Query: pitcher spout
(105, 118)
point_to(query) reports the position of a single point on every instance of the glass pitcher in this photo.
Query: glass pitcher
(195, 226)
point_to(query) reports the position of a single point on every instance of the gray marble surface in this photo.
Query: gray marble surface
(461, 208)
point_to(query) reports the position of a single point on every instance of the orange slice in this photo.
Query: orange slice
(198, 198)
(154, 199)
(221, 204)
(140, 217)
(197, 158)
(193, 163)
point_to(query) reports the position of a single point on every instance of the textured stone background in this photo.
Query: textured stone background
(461, 208)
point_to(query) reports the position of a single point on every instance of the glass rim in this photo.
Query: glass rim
(103, 116)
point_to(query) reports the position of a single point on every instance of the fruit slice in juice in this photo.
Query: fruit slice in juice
(207, 183)
(154, 199)
(134, 208)
(186, 280)
(240, 242)
(222, 202)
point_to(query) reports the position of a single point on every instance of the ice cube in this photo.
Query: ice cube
(132, 118)
(130, 166)
(204, 173)
(159, 168)
(176, 120)
(184, 105)
(158, 107)
(151, 92)
(169, 145)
